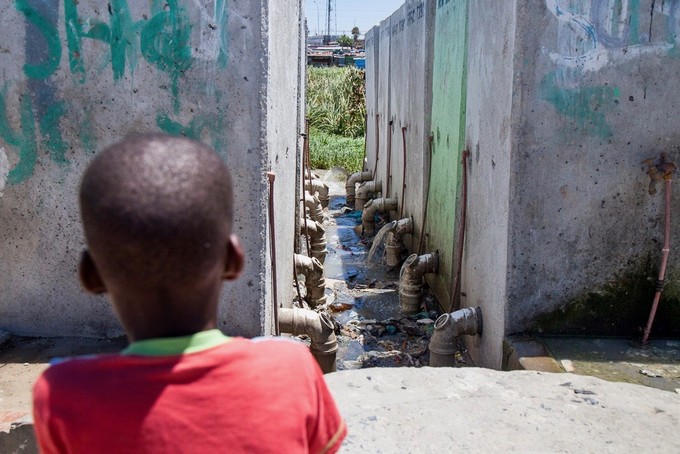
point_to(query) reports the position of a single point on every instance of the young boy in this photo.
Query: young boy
(157, 215)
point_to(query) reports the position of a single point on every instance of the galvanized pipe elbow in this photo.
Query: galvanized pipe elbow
(317, 238)
(394, 242)
(381, 205)
(443, 348)
(314, 206)
(320, 188)
(315, 282)
(365, 192)
(350, 185)
(411, 280)
(319, 327)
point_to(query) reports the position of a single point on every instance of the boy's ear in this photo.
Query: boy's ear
(233, 266)
(89, 275)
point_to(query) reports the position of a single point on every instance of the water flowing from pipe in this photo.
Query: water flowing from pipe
(376, 255)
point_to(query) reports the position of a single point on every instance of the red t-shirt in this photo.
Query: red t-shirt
(240, 396)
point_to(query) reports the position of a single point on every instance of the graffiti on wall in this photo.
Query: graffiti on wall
(593, 34)
(161, 38)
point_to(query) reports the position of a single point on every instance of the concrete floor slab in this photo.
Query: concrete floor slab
(431, 410)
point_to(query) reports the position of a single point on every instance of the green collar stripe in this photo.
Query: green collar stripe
(169, 346)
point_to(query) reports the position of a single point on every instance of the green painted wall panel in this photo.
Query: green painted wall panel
(448, 129)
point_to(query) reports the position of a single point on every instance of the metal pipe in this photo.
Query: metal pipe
(365, 192)
(374, 206)
(663, 169)
(320, 188)
(316, 235)
(315, 282)
(313, 204)
(460, 244)
(403, 173)
(449, 326)
(350, 185)
(394, 242)
(411, 280)
(271, 176)
(319, 327)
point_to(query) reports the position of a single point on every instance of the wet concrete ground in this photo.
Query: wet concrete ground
(620, 360)
(364, 299)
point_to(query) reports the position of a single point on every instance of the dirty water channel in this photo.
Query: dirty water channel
(363, 299)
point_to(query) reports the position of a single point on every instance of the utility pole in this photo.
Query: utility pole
(327, 36)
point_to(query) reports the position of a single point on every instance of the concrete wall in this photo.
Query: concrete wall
(448, 122)
(378, 166)
(488, 134)
(79, 76)
(372, 48)
(598, 95)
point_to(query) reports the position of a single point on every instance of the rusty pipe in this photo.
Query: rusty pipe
(664, 261)
(365, 192)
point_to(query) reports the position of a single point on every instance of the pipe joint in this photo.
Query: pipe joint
(447, 328)
(381, 205)
(365, 192)
(319, 327)
(318, 187)
(394, 242)
(350, 185)
(317, 238)
(411, 280)
(315, 282)
(313, 204)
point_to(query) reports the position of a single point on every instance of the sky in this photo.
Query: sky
(349, 13)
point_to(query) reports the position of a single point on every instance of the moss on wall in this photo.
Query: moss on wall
(620, 308)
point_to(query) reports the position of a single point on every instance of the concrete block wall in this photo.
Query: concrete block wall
(557, 102)
(78, 76)
(372, 48)
(596, 93)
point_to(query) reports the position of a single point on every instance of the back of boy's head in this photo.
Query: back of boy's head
(156, 210)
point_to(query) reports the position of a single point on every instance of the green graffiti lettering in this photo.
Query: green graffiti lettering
(585, 106)
(25, 141)
(221, 18)
(634, 22)
(50, 35)
(165, 43)
(49, 128)
(198, 128)
(193, 130)
(121, 36)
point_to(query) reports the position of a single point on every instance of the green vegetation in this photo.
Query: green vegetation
(331, 150)
(336, 110)
(345, 41)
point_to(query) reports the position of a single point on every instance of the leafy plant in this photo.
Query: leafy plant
(336, 100)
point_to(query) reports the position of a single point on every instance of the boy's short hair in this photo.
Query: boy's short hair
(156, 205)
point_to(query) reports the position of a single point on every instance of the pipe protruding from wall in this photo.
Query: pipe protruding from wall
(315, 282)
(319, 327)
(381, 205)
(350, 186)
(394, 241)
(317, 238)
(365, 192)
(411, 277)
(449, 326)
(318, 187)
(313, 204)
